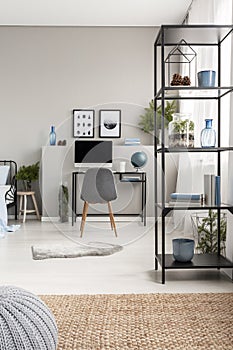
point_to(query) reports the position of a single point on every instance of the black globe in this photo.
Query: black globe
(139, 159)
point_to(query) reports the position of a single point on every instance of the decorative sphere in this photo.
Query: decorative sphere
(26, 322)
(139, 159)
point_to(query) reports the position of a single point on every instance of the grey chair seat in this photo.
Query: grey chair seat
(98, 187)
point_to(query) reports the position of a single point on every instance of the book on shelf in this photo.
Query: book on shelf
(185, 204)
(217, 190)
(130, 178)
(212, 189)
(132, 141)
(177, 196)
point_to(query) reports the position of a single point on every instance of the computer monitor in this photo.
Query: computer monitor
(93, 153)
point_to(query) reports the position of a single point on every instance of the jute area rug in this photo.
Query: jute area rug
(144, 321)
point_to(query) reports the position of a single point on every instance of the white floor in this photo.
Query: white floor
(128, 271)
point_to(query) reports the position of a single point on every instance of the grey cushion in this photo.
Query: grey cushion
(26, 323)
(98, 186)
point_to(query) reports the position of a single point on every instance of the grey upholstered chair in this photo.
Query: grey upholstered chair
(98, 187)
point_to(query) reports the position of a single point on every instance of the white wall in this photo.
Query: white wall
(47, 71)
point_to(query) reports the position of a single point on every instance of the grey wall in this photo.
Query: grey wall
(47, 71)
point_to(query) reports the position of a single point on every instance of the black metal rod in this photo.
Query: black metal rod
(144, 207)
(155, 158)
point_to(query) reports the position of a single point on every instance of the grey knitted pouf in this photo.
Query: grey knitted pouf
(26, 323)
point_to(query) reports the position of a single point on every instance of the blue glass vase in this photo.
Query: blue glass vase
(52, 136)
(208, 135)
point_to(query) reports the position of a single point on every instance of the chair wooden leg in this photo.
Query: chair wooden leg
(84, 215)
(112, 218)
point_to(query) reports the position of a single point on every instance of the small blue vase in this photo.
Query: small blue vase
(208, 135)
(52, 136)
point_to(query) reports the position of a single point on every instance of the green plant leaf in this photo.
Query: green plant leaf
(147, 119)
(28, 173)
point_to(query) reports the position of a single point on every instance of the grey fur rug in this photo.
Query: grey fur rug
(42, 252)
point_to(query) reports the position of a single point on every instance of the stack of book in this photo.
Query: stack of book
(186, 199)
(132, 141)
(212, 189)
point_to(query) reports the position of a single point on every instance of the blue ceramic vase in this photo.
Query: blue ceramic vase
(183, 249)
(206, 78)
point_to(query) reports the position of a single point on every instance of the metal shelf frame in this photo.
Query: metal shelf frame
(194, 35)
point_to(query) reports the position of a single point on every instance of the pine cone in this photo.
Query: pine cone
(176, 79)
(186, 81)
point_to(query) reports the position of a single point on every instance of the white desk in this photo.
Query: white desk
(126, 177)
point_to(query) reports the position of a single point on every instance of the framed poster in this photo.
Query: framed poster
(83, 123)
(110, 123)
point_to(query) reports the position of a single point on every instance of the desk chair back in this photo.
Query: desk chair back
(98, 187)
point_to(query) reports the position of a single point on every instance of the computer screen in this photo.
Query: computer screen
(92, 153)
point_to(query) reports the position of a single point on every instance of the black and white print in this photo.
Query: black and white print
(110, 123)
(83, 123)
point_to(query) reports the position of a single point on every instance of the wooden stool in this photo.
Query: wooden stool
(23, 204)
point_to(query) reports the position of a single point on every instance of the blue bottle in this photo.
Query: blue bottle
(52, 136)
(208, 135)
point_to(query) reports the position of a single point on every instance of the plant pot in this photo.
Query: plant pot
(205, 232)
(183, 249)
(27, 185)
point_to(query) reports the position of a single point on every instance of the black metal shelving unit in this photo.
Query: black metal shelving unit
(194, 35)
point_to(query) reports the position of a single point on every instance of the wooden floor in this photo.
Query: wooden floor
(128, 271)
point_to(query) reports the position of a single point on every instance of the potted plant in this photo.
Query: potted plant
(181, 131)
(205, 228)
(63, 198)
(27, 174)
(147, 119)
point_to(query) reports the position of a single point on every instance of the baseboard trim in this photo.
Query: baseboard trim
(98, 219)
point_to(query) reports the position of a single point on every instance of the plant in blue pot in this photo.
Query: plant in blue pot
(139, 160)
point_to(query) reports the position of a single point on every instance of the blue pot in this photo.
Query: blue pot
(206, 78)
(183, 249)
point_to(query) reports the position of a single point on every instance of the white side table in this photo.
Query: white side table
(23, 204)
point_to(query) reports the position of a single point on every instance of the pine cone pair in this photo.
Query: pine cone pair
(178, 80)
(186, 80)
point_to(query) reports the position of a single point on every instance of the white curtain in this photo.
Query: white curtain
(192, 167)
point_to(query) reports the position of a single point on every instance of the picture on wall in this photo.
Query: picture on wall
(83, 123)
(110, 123)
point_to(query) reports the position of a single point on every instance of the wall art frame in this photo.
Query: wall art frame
(110, 123)
(83, 123)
